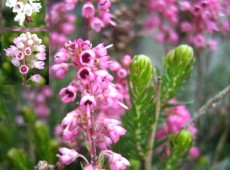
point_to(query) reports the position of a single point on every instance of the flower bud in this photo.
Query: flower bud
(182, 141)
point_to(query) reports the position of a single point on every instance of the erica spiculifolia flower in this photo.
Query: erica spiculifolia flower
(23, 9)
(98, 94)
(27, 53)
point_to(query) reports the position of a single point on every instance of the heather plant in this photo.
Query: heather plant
(114, 107)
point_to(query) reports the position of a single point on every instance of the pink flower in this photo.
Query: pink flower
(68, 94)
(117, 162)
(38, 64)
(36, 78)
(27, 51)
(87, 57)
(19, 55)
(96, 24)
(114, 130)
(40, 56)
(24, 69)
(68, 155)
(60, 70)
(85, 75)
(199, 41)
(88, 101)
(61, 57)
(41, 48)
(103, 142)
(88, 10)
(194, 152)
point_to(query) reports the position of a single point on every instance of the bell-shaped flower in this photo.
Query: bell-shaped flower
(68, 94)
(68, 155)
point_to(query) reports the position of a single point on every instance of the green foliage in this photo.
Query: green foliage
(141, 118)
(19, 159)
(177, 68)
(141, 115)
(42, 142)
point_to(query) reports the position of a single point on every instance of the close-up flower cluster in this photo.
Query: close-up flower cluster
(27, 53)
(24, 9)
(133, 84)
(98, 94)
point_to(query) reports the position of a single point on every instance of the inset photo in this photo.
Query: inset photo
(23, 13)
(24, 58)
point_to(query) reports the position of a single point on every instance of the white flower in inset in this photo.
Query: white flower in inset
(37, 64)
(41, 48)
(36, 7)
(15, 62)
(20, 17)
(28, 9)
(18, 7)
(11, 3)
(36, 78)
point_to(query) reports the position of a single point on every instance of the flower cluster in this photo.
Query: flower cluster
(197, 20)
(96, 12)
(61, 22)
(98, 95)
(24, 9)
(163, 19)
(177, 117)
(27, 53)
(104, 16)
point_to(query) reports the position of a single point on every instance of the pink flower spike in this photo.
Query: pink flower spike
(19, 55)
(27, 51)
(68, 94)
(88, 10)
(36, 78)
(60, 70)
(87, 57)
(69, 155)
(24, 69)
(61, 57)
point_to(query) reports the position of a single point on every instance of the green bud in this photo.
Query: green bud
(141, 72)
(181, 141)
(178, 65)
(18, 159)
(28, 115)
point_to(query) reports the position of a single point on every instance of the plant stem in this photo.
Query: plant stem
(199, 78)
(219, 148)
(150, 145)
(87, 29)
(211, 103)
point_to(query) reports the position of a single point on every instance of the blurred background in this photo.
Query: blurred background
(30, 116)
